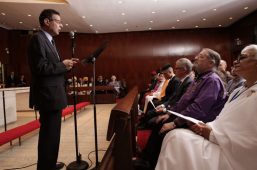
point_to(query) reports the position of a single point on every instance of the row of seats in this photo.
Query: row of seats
(19, 131)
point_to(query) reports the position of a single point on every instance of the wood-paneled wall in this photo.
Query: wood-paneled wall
(129, 55)
(3, 45)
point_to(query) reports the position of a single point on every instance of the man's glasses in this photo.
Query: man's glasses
(56, 20)
(240, 57)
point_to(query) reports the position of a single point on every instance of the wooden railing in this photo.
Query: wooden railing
(122, 132)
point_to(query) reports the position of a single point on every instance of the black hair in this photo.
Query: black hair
(46, 13)
(166, 66)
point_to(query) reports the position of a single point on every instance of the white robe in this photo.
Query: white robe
(233, 145)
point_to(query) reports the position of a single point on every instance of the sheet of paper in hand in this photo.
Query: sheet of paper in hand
(185, 117)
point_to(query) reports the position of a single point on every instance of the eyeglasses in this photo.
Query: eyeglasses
(240, 57)
(56, 20)
(178, 68)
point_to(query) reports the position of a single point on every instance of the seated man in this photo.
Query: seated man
(100, 82)
(203, 100)
(228, 142)
(236, 82)
(183, 68)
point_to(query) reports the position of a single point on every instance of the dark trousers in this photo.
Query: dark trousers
(142, 93)
(150, 106)
(154, 143)
(49, 139)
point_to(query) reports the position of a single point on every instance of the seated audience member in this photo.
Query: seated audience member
(222, 76)
(85, 81)
(167, 90)
(233, 84)
(155, 93)
(228, 142)
(115, 84)
(100, 82)
(222, 67)
(80, 82)
(76, 83)
(11, 80)
(182, 69)
(106, 81)
(203, 100)
(123, 88)
(159, 70)
(91, 82)
(150, 86)
(22, 81)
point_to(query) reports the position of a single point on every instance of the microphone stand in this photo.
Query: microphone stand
(78, 164)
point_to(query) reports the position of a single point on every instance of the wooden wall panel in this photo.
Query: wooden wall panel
(4, 57)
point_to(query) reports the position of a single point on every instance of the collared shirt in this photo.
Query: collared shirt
(203, 100)
(50, 38)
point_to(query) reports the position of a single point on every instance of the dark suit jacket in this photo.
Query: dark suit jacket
(98, 83)
(9, 81)
(171, 88)
(47, 87)
(179, 93)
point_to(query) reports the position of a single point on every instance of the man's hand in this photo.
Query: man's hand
(159, 111)
(68, 64)
(162, 118)
(75, 61)
(200, 129)
(167, 127)
(158, 107)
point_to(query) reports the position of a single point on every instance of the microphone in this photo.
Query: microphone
(72, 34)
(72, 41)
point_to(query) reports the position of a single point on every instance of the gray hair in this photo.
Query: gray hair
(185, 63)
(252, 49)
(223, 61)
(213, 56)
(113, 76)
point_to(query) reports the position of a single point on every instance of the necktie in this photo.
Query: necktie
(55, 48)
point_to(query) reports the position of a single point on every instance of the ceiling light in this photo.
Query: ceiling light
(120, 2)
(123, 14)
(246, 8)
(214, 9)
(178, 20)
(20, 22)
(29, 15)
(125, 22)
(96, 31)
(196, 26)
(91, 25)
(204, 19)
(155, 0)
(3, 13)
(83, 17)
(34, 29)
(67, 24)
(151, 21)
(126, 29)
(231, 18)
(184, 11)
(150, 28)
(173, 27)
(153, 12)
(75, 30)
(219, 25)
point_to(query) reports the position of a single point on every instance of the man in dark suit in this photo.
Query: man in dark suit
(100, 82)
(47, 89)
(182, 69)
(11, 80)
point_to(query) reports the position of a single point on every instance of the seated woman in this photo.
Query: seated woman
(123, 88)
(22, 81)
(154, 93)
(227, 143)
(115, 84)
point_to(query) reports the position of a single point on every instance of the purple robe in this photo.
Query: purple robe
(204, 99)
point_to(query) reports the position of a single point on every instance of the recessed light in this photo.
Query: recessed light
(3, 13)
(153, 12)
(126, 29)
(184, 11)
(178, 20)
(34, 28)
(67, 24)
(120, 2)
(20, 22)
(91, 25)
(151, 21)
(214, 9)
(96, 31)
(83, 17)
(204, 19)
(173, 27)
(246, 8)
(219, 25)
(231, 18)
(196, 26)
(75, 30)
(150, 28)
(123, 14)
(29, 15)
(155, 0)
(125, 22)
